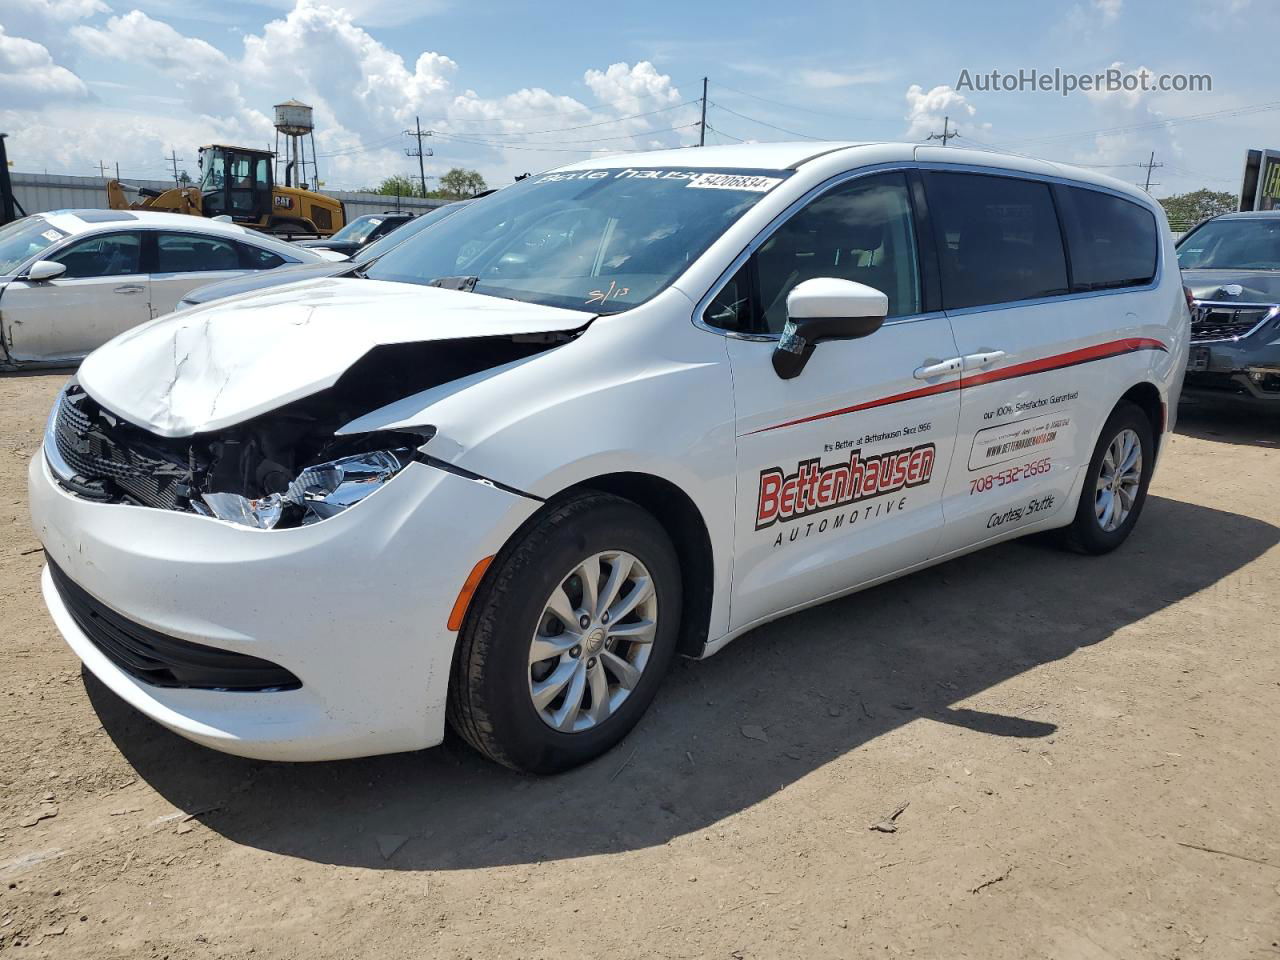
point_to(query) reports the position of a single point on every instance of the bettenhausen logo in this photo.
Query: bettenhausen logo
(814, 488)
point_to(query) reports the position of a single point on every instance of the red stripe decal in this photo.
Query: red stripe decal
(1101, 351)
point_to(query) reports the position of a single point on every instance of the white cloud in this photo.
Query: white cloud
(48, 22)
(28, 75)
(1109, 10)
(926, 110)
(834, 79)
(364, 94)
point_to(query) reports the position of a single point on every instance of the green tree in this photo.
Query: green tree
(1185, 210)
(459, 182)
(400, 186)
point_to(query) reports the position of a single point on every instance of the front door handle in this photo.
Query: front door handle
(129, 288)
(938, 369)
(977, 361)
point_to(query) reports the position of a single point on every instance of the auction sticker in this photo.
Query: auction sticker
(1021, 438)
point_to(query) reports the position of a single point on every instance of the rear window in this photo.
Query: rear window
(255, 258)
(1113, 242)
(998, 239)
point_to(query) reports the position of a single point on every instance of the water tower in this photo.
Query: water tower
(293, 122)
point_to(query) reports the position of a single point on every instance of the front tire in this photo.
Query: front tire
(1115, 488)
(567, 639)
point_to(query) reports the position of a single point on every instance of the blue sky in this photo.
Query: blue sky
(512, 87)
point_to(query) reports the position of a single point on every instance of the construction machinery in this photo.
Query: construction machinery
(238, 183)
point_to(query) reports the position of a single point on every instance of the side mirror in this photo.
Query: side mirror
(826, 308)
(43, 270)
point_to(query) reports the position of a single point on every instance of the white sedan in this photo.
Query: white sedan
(70, 280)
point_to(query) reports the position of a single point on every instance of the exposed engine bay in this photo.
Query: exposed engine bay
(284, 468)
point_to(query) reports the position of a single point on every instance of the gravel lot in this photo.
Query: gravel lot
(1088, 751)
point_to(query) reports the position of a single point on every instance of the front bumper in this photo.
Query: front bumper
(355, 607)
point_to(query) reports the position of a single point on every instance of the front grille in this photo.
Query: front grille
(161, 660)
(1220, 321)
(88, 445)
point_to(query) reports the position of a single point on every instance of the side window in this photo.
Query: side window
(860, 231)
(192, 252)
(998, 239)
(1113, 242)
(106, 255)
(256, 258)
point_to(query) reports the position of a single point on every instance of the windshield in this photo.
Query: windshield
(357, 230)
(599, 240)
(402, 233)
(23, 239)
(1246, 244)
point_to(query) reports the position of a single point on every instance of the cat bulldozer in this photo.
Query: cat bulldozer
(236, 182)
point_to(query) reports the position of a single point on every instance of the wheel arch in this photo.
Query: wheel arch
(1146, 396)
(687, 528)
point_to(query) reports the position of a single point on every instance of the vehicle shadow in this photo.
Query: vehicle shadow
(1229, 421)
(819, 684)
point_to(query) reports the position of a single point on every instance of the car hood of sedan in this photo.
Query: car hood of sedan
(211, 367)
(1226, 286)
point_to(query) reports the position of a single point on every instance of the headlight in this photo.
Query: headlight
(320, 491)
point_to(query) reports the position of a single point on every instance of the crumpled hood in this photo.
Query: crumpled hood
(215, 366)
(1255, 286)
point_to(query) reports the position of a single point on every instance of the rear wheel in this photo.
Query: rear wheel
(1115, 488)
(566, 641)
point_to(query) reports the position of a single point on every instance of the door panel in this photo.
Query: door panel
(184, 261)
(102, 293)
(840, 469)
(1028, 353)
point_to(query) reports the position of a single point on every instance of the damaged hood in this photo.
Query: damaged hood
(212, 367)
(1245, 286)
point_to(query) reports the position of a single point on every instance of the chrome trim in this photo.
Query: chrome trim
(1273, 311)
(892, 166)
(59, 467)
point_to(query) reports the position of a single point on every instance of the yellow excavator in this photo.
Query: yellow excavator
(237, 182)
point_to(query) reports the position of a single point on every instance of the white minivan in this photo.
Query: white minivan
(626, 409)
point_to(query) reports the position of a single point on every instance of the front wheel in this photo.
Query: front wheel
(566, 641)
(1115, 488)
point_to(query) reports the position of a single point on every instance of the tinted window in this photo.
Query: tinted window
(106, 255)
(1112, 241)
(190, 253)
(255, 258)
(861, 231)
(998, 239)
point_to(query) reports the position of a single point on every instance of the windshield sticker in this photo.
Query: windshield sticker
(702, 179)
(734, 181)
(53, 236)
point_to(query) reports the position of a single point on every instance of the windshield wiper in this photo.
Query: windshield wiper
(465, 284)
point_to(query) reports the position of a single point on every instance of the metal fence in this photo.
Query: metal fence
(38, 192)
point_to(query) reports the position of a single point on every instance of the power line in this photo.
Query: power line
(722, 133)
(792, 106)
(1154, 124)
(419, 152)
(173, 156)
(580, 126)
(762, 123)
(944, 136)
(553, 143)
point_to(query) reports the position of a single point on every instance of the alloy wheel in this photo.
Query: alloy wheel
(593, 641)
(1118, 480)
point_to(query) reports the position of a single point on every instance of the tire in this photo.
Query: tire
(289, 230)
(1088, 533)
(494, 683)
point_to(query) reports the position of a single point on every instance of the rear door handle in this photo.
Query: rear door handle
(977, 361)
(939, 369)
(129, 288)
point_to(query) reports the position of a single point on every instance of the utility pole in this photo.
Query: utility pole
(117, 169)
(1150, 165)
(102, 170)
(702, 125)
(418, 134)
(944, 136)
(175, 159)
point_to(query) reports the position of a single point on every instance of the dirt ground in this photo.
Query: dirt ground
(1088, 752)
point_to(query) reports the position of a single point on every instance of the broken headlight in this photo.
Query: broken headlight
(320, 491)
